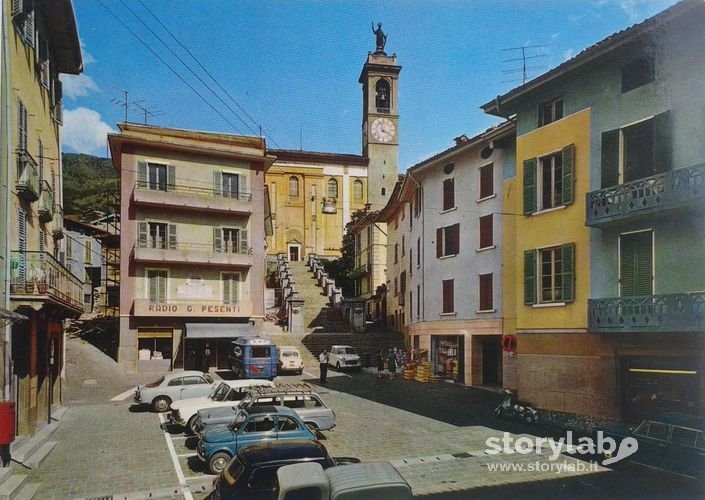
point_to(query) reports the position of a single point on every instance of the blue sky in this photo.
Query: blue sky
(293, 66)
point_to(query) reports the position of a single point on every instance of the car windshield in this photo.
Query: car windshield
(208, 378)
(290, 354)
(239, 419)
(346, 350)
(156, 384)
(220, 393)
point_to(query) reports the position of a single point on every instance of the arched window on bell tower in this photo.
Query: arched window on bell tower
(383, 96)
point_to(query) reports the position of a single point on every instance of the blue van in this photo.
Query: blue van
(253, 357)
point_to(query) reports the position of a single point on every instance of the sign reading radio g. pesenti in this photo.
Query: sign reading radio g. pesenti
(192, 308)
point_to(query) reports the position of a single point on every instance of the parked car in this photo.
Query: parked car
(289, 360)
(344, 357)
(253, 472)
(299, 397)
(670, 442)
(251, 425)
(174, 386)
(229, 392)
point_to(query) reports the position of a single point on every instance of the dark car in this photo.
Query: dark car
(673, 443)
(252, 473)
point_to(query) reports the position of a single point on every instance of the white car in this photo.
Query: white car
(174, 386)
(344, 357)
(228, 393)
(289, 360)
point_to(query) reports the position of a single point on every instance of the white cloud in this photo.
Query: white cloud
(78, 85)
(568, 54)
(631, 8)
(87, 57)
(84, 131)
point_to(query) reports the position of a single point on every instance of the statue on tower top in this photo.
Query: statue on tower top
(381, 37)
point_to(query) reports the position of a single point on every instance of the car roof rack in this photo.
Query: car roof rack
(300, 387)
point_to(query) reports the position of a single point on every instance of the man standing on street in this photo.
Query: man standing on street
(323, 364)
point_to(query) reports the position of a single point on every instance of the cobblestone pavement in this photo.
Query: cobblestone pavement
(433, 433)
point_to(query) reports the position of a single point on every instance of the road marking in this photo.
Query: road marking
(123, 395)
(175, 461)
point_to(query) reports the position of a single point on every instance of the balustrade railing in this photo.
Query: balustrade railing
(195, 190)
(27, 184)
(39, 273)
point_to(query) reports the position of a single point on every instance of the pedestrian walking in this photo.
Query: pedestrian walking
(380, 364)
(392, 365)
(323, 365)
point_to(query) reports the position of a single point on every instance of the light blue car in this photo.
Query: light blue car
(251, 425)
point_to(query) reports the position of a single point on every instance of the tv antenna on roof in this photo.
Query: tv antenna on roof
(121, 102)
(145, 111)
(523, 60)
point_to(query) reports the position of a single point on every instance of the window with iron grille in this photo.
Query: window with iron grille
(293, 187)
(332, 188)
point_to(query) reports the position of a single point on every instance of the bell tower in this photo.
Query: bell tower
(380, 121)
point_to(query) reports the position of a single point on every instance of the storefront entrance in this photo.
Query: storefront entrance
(447, 356)
(652, 386)
(491, 361)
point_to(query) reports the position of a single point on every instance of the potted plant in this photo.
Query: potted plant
(30, 280)
(40, 278)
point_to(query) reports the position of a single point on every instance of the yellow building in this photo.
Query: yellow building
(41, 43)
(312, 197)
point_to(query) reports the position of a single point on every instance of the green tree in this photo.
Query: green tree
(87, 180)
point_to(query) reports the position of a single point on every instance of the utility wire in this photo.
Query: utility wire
(188, 67)
(169, 66)
(205, 70)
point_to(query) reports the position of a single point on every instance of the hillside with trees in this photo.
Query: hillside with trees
(87, 180)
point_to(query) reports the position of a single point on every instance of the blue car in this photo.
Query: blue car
(218, 445)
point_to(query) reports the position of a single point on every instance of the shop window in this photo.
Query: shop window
(448, 298)
(448, 194)
(550, 111)
(447, 356)
(486, 181)
(638, 72)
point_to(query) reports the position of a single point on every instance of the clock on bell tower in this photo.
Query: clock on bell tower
(380, 124)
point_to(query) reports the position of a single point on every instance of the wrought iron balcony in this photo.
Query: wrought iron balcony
(672, 313)
(38, 276)
(27, 185)
(678, 188)
(360, 271)
(187, 197)
(45, 210)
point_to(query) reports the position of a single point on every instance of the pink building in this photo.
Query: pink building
(192, 244)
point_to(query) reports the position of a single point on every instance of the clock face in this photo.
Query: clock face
(383, 129)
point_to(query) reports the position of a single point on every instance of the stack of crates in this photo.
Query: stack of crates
(409, 371)
(423, 372)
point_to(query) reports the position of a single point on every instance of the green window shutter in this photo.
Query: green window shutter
(217, 239)
(636, 262)
(529, 186)
(218, 183)
(568, 263)
(153, 279)
(242, 185)
(172, 236)
(455, 231)
(530, 277)
(170, 178)
(609, 170)
(568, 174)
(244, 248)
(162, 286)
(439, 242)
(226, 289)
(142, 174)
(142, 231)
(235, 288)
(662, 143)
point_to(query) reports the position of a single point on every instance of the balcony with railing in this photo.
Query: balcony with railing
(360, 271)
(57, 231)
(190, 197)
(27, 184)
(39, 277)
(193, 308)
(680, 188)
(159, 251)
(45, 208)
(670, 313)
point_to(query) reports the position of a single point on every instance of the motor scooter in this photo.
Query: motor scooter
(510, 407)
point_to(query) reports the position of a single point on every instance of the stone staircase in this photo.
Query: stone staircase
(364, 343)
(27, 454)
(319, 316)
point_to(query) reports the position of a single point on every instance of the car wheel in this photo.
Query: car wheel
(218, 462)
(301, 371)
(161, 404)
(191, 425)
(337, 366)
